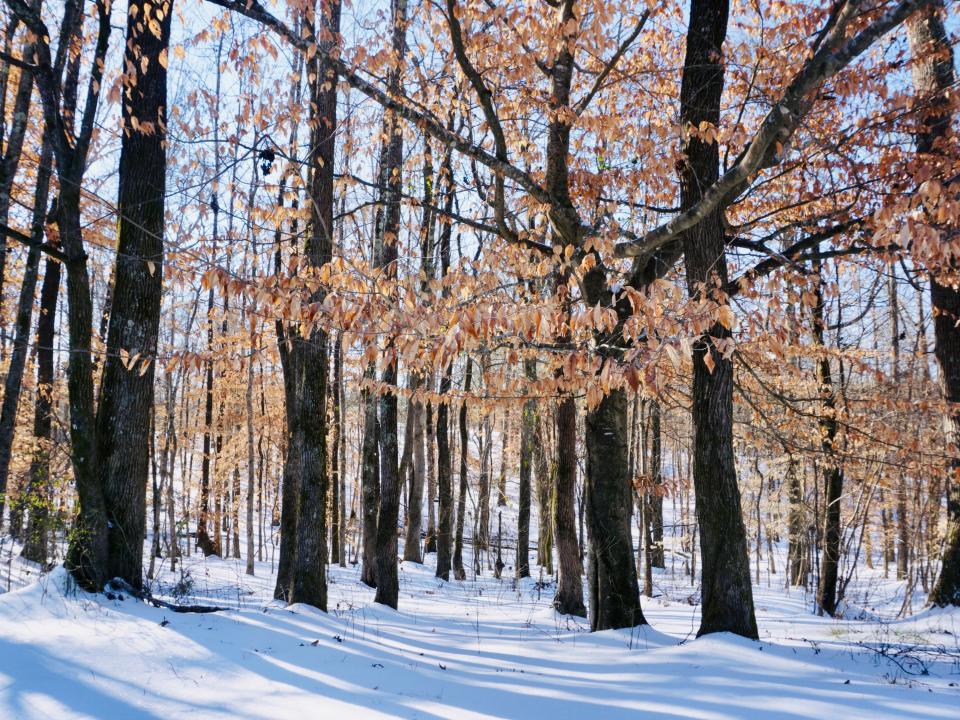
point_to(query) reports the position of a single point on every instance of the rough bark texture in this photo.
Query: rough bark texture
(832, 473)
(370, 485)
(411, 545)
(655, 502)
(569, 597)
(727, 597)
(126, 390)
(335, 468)
(207, 544)
(444, 485)
(444, 534)
(528, 425)
(458, 570)
(388, 230)
(290, 483)
(612, 575)
(796, 549)
(545, 486)
(933, 76)
(430, 435)
(309, 582)
(482, 540)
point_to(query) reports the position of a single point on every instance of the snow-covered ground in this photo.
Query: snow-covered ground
(482, 648)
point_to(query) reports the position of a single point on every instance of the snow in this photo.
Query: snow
(482, 648)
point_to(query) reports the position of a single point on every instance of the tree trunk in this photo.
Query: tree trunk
(370, 484)
(444, 484)
(10, 161)
(309, 584)
(411, 546)
(336, 545)
(38, 490)
(458, 570)
(430, 542)
(388, 231)
(832, 474)
(502, 482)
(934, 75)
(528, 426)
(569, 597)
(251, 470)
(482, 541)
(126, 389)
(727, 597)
(796, 551)
(444, 532)
(655, 501)
(24, 319)
(612, 574)
(545, 485)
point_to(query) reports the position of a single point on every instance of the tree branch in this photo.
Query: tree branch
(767, 147)
(608, 68)
(25, 239)
(401, 106)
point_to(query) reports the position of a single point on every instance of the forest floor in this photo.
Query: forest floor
(483, 648)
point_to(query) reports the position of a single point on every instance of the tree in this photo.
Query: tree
(933, 75)
(388, 230)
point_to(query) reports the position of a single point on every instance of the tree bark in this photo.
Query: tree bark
(370, 484)
(388, 230)
(10, 160)
(827, 599)
(309, 582)
(612, 574)
(528, 425)
(569, 597)
(726, 594)
(336, 471)
(38, 490)
(458, 570)
(126, 389)
(655, 502)
(411, 546)
(24, 318)
(934, 75)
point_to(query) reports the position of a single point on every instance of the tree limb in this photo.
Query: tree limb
(766, 148)
(400, 105)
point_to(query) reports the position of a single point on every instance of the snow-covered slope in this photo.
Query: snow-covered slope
(478, 649)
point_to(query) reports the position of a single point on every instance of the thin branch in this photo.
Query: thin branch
(611, 64)
(400, 105)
